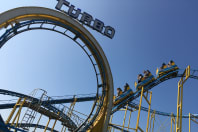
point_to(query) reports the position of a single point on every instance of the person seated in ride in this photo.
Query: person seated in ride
(119, 91)
(147, 73)
(140, 77)
(163, 66)
(171, 63)
(126, 87)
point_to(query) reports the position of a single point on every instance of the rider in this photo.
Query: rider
(171, 63)
(147, 73)
(126, 87)
(163, 66)
(140, 77)
(119, 91)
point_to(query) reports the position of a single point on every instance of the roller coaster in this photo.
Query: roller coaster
(24, 19)
(50, 103)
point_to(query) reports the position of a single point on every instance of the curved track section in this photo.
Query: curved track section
(20, 19)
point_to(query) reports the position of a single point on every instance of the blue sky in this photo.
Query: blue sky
(148, 33)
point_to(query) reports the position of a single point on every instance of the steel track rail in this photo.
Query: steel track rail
(54, 101)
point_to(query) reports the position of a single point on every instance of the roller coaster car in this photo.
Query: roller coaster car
(170, 71)
(123, 96)
(145, 82)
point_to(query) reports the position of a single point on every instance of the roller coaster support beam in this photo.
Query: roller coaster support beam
(47, 124)
(140, 104)
(18, 113)
(183, 79)
(192, 118)
(63, 129)
(124, 117)
(12, 112)
(54, 124)
(17, 116)
(129, 120)
(172, 122)
(71, 108)
(152, 119)
(122, 127)
(149, 102)
(189, 123)
(139, 109)
(37, 123)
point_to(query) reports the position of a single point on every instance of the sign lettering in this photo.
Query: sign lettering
(86, 19)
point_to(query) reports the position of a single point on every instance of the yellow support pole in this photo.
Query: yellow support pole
(69, 114)
(62, 128)
(65, 129)
(178, 129)
(47, 125)
(147, 126)
(187, 73)
(181, 107)
(123, 125)
(13, 111)
(183, 79)
(150, 122)
(189, 122)
(18, 118)
(153, 121)
(174, 125)
(18, 112)
(178, 106)
(138, 117)
(129, 121)
(37, 123)
(54, 124)
(172, 122)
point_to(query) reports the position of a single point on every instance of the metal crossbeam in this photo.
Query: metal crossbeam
(55, 101)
